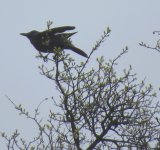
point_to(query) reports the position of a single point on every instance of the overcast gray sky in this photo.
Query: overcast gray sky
(131, 22)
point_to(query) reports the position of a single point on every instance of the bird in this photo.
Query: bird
(46, 41)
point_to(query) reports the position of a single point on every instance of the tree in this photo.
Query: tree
(98, 108)
(156, 48)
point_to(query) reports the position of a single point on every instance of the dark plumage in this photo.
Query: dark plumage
(47, 40)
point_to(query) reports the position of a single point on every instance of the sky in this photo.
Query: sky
(131, 22)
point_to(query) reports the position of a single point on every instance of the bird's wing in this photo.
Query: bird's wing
(60, 29)
(66, 35)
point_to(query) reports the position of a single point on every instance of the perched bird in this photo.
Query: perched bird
(50, 39)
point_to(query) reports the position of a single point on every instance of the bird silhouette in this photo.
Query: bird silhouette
(50, 39)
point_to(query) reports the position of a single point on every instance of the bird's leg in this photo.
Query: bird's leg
(45, 58)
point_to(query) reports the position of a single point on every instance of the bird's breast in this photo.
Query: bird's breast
(41, 44)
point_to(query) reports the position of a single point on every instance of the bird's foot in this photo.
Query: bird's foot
(45, 58)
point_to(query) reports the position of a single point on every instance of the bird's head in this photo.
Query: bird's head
(31, 34)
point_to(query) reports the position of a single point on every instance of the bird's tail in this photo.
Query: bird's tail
(79, 51)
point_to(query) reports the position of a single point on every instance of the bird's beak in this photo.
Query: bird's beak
(24, 34)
